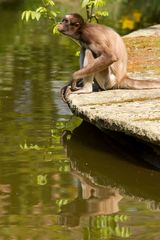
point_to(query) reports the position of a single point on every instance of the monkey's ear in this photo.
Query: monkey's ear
(77, 24)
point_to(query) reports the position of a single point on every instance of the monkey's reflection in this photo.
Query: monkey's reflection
(91, 200)
(99, 163)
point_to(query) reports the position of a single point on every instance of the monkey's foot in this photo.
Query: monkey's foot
(75, 89)
(86, 89)
(65, 92)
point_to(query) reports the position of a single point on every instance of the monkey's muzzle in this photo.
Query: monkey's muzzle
(60, 28)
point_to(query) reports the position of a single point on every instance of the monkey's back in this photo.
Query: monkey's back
(106, 37)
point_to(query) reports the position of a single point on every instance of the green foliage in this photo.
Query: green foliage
(55, 29)
(77, 54)
(106, 227)
(31, 14)
(103, 220)
(91, 7)
(94, 3)
(48, 3)
(48, 10)
(125, 15)
(60, 203)
(42, 180)
(54, 138)
(25, 146)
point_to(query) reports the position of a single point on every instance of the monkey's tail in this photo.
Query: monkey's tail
(131, 83)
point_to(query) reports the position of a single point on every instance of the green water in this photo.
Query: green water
(59, 178)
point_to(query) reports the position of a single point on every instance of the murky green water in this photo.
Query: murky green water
(60, 179)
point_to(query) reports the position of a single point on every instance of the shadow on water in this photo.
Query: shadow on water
(109, 168)
(114, 160)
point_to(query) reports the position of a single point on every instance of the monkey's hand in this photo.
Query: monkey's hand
(74, 85)
(77, 82)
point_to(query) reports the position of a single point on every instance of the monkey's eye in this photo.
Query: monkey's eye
(74, 24)
(65, 20)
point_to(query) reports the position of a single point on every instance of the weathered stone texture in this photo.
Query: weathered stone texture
(135, 112)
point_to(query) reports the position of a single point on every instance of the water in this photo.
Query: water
(60, 178)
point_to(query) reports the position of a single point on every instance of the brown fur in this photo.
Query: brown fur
(103, 57)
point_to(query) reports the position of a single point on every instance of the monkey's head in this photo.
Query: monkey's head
(71, 25)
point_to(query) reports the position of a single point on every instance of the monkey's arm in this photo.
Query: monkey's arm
(66, 90)
(98, 64)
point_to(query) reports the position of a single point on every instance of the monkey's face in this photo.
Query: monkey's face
(69, 26)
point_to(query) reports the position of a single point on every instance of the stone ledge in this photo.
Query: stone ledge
(134, 112)
(147, 32)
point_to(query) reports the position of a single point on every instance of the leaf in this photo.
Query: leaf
(28, 14)
(84, 3)
(42, 180)
(116, 218)
(23, 15)
(55, 29)
(38, 16)
(41, 10)
(33, 15)
(118, 231)
(30, 147)
(21, 146)
(99, 3)
(77, 54)
(54, 14)
(51, 3)
(102, 13)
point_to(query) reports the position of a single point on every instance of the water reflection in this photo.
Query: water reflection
(93, 152)
(91, 187)
(92, 200)
(107, 177)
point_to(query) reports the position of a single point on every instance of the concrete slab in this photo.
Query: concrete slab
(134, 112)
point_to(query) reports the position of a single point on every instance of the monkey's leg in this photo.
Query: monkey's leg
(106, 79)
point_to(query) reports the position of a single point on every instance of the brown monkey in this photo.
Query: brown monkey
(103, 57)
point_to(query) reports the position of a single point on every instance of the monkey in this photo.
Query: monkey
(103, 58)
